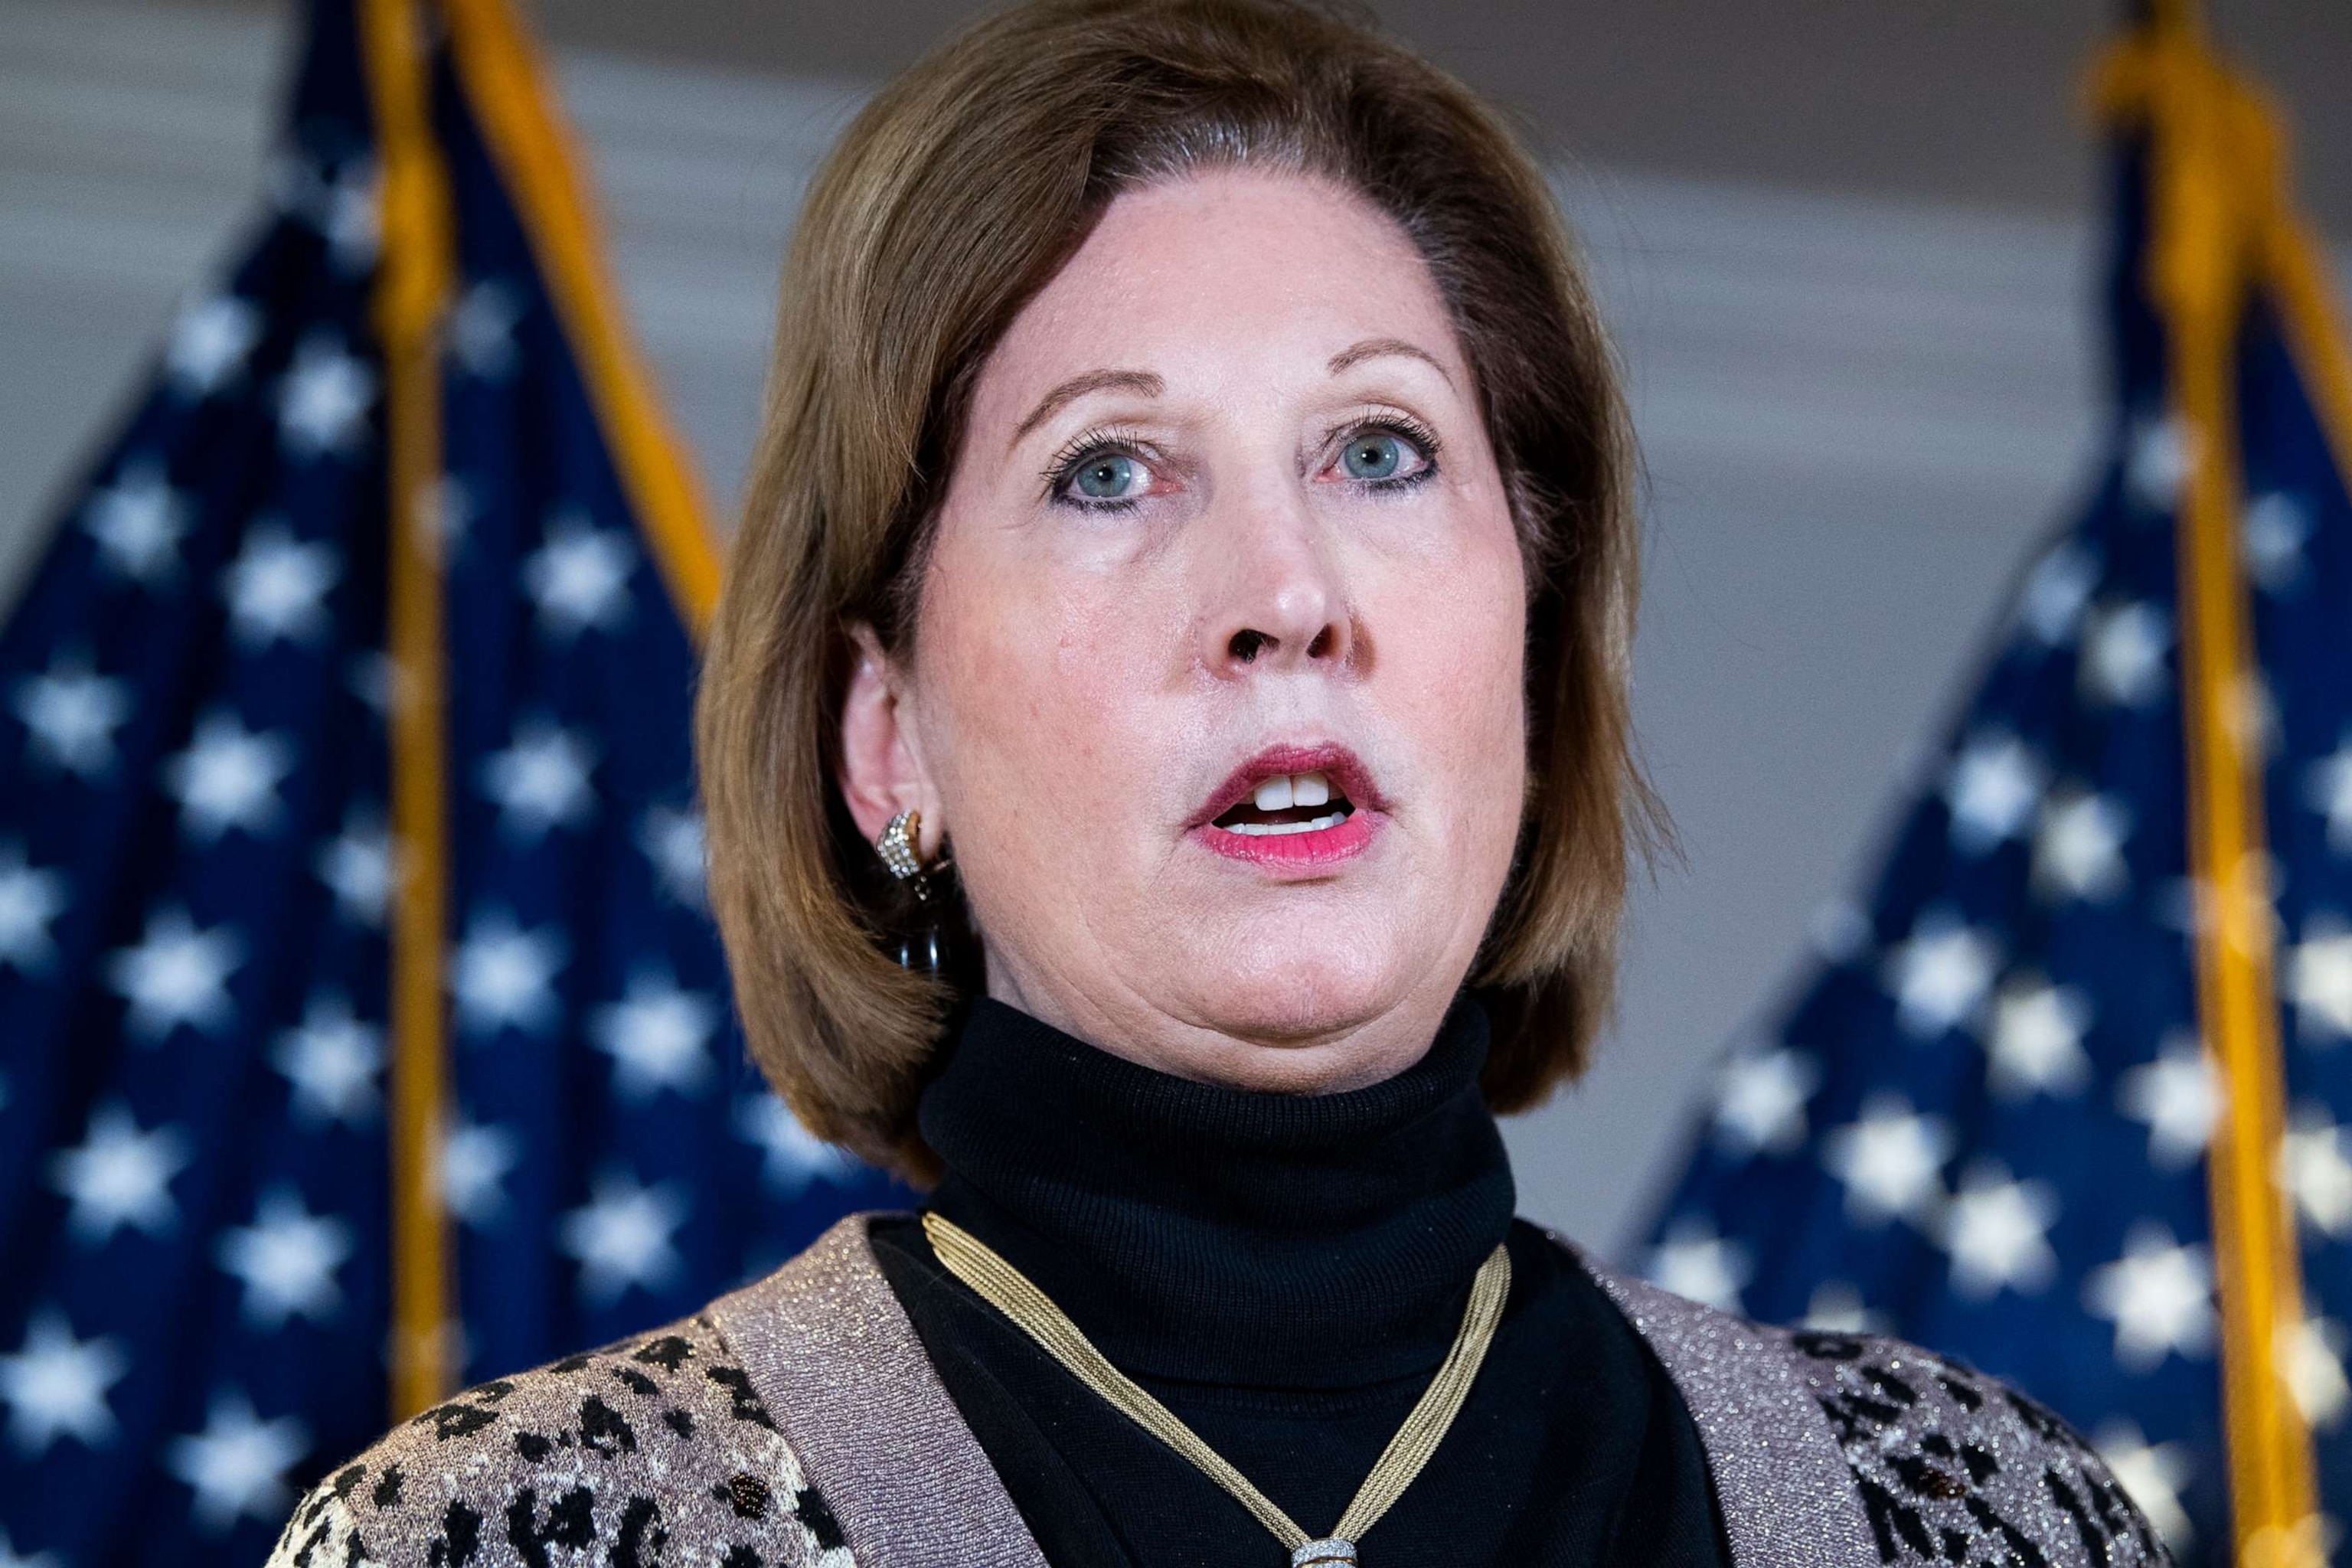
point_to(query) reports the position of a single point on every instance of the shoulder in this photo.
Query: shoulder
(653, 1449)
(1945, 1463)
(1943, 1453)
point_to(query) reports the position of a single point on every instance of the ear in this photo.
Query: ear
(882, 769)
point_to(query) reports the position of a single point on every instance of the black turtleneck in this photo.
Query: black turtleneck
(1284, 1272)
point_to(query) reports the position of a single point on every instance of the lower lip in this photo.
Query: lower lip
(1294, 851)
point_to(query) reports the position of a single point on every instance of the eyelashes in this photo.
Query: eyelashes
(1088, 446)
(1102, 441)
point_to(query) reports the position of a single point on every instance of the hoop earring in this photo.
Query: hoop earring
(924, 948)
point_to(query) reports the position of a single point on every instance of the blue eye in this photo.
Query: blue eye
(1105, 477)
(1375, 455)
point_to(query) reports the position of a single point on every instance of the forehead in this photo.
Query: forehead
(1223, 275)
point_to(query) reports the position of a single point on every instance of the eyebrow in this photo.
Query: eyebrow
(1141, 382)
(1373, 348)
(1144, 383)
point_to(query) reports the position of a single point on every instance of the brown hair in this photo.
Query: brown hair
(954, 197)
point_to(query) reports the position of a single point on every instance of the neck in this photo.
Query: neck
(1218, 1235)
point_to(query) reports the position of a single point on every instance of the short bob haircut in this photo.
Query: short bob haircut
(949, 201)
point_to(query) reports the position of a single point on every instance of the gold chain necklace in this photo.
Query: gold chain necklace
(1011, 1292)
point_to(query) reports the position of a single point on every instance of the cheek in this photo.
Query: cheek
(1032, 677)
(1457, 641)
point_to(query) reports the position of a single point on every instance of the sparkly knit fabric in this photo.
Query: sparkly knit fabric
(799, 1422)
(654, 1451)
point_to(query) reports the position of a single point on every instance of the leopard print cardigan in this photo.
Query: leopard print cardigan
(650, 1452)
(797, 1424)
(1954, 1467)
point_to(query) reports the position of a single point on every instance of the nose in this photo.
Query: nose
(1277, 600)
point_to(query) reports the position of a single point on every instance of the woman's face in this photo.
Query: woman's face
(1216, 684)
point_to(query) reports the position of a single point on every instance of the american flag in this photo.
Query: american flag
(198, 875)
(2003, 1099)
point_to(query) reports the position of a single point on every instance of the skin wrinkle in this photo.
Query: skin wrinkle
(1072, 692)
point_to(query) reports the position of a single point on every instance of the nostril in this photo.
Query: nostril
(1321, 645)
(1246, 645)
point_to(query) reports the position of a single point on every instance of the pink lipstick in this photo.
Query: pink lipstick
(1294, 808)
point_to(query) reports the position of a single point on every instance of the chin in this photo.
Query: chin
(1298, 995)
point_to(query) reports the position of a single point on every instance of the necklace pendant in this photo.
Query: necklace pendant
(1328, 1552)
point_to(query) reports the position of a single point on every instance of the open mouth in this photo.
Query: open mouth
(1294, 811)
(1287, 803)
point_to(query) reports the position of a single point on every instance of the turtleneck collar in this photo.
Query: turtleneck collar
(1216, 1234)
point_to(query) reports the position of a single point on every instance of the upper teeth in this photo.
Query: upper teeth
(1284, 790)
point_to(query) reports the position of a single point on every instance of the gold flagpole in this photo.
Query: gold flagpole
(2216, 185)
(411, 292)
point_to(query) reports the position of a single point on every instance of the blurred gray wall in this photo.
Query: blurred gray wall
(1846, 249)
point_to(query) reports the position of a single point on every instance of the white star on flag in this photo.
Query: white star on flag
(2311, 1360)
(1991, 790)
(118, 1177)
(277, 587)
(2328, 789)
(72, 714)
(2078, 847)
(286, 1260)
(12, 1558)
(340, 205)
(2158, 1295)
(30, 901)
(475, 1159)
(621, 1236)
(55, 1386)
(210, 343)
(505, 976)
(672, 843)
(2276, 525)
(2319, 979)
(446, 508)
(2179, 1094)
(657, 1035)
(540, 781)
(2060, 585)
(1837, 1308)
(323, 402)
(228, 778)
(1998, 1232)
(1760, 1100)
(2252, 714)
(2154, 1475)
(356, 864)
(2312, 1169)
(1890, 1160)
(373, 677)
(2122, 654)
(1940, 974)
(2036, 1039)
(331, 1059)
(791, 1156)
(481, 330)
(580, 577)
(350, 214)
(1694, 1263)
(137, 523)
(236, 1466)
(177, 975)
(2163, 455)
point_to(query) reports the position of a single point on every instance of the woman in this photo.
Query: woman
(1195, 487)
